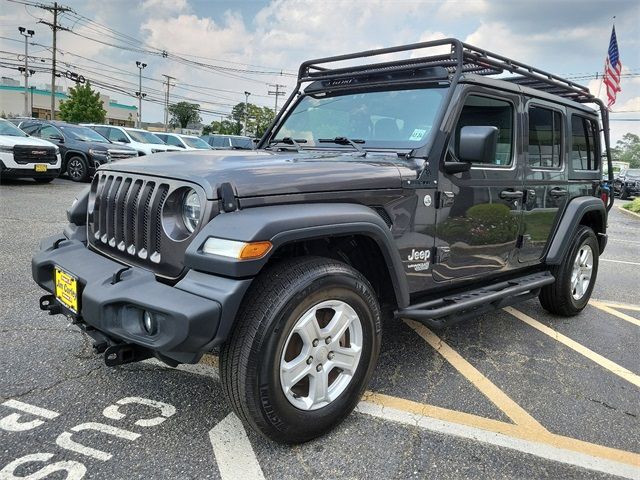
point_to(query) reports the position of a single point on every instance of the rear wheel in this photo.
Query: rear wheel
(303, 350)
(77, 169)
(575, 276)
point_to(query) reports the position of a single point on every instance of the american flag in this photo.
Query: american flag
(612, 69)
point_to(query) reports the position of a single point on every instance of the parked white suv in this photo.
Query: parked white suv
(22, 156)
(185, 142)
(144, 142)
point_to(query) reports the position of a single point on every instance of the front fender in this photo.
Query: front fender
(283, 224)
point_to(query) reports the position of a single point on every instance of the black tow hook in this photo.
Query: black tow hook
(124, 353)
(48, 303)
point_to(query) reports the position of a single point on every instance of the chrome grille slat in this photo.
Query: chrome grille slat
(104, 210)
(111, 211)
(119, 214)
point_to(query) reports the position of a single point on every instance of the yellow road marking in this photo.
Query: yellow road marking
(581, 349)
(624, 306)
(516, 431)
(500, 399)
(440, 413)
(612, 311)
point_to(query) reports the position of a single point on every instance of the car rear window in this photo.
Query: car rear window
(584, 151)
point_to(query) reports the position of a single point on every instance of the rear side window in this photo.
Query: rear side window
(545, 138)
(485, 111)
(584, 151)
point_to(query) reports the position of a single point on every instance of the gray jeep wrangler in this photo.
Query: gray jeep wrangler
(422, 188)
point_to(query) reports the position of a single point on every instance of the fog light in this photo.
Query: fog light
(149, 323)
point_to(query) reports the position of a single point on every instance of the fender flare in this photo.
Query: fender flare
(573, 214)
(284, 224)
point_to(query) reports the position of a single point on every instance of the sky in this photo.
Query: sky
(216, 50)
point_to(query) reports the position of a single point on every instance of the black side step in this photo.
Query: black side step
(445, 311)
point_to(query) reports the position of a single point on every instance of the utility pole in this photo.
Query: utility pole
(277, 93)
(55, 9)
(139, 93)
(246, 107)
(26, 34)
(166, 102)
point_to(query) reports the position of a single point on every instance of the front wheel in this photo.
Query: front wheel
(77, 169)
(305, 345)
(575, 276)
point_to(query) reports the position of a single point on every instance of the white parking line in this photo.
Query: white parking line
(543, 450)
(33, 410)
(619, 261)
(233, 451)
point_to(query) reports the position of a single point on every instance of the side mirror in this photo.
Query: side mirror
(57, 138)
(478, 144)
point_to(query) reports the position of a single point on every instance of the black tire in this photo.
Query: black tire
(250, 360)
(77, 169)
(558, 297)
(624, 195)
(44, 180)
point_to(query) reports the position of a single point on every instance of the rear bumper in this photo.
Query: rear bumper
(188, 315)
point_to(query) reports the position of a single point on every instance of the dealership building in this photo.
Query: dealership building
(12, 103)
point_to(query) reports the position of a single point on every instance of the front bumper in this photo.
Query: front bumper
(189, 314)
(27, 171)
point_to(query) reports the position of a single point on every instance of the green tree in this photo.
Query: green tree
(184, 113)
(83, 105)
(258, 118)
(225, 127)
(628, 150)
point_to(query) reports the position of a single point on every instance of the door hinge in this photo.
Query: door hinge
(445, 199)
(442, 254)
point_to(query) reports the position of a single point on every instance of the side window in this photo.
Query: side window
(485, 111)
(102, 131)
(584, 151)
(116, 135)
(48, 131)
(31, 130)
(545, 137)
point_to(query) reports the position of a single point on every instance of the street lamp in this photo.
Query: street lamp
(141, 66)
(26, 34)
(246, 103)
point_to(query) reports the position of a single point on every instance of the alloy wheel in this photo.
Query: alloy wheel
(582, 271)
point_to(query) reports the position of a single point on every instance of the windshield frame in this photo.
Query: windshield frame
(425, 143)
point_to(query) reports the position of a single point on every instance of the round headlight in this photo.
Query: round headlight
(191, 210)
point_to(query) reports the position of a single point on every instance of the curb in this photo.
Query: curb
(629, 212)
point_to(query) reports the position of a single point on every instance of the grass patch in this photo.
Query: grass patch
(633, 206)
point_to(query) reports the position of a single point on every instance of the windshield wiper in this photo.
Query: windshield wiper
(345, 141)
(289, 141)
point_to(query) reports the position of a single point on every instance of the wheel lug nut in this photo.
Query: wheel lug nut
(315, 342)
(309, 360)
(331, 355)
(319, 367)
(327, 340)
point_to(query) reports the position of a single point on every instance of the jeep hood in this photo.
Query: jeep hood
(258, 173)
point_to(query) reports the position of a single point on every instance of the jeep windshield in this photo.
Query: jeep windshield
(379, 119)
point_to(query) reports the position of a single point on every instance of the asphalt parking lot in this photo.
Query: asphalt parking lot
(513, 394)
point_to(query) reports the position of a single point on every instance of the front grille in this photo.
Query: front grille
(23, 154)
(121, 154)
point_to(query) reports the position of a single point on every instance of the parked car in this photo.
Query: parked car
(185, 142)
(229, 142)
(23, 156)
(82, 149)
(412, 187)
(627, 183)
(145, 143)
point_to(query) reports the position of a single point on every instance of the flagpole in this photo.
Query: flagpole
(613, 24)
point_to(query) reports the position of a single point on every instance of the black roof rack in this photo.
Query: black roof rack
(463, 58)
(458, 59)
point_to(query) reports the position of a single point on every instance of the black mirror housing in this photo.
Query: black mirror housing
(478, 144)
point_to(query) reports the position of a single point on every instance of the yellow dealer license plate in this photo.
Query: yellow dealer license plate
(67, 289)
(41, 167)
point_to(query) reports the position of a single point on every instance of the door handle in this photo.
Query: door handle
(557, 192)
(511, 194)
